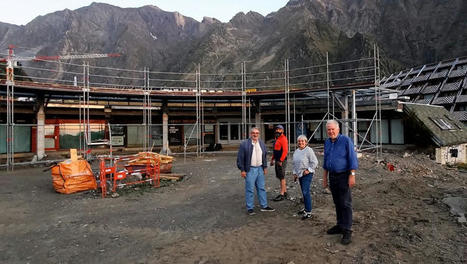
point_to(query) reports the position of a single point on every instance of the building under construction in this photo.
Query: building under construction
(61, 104)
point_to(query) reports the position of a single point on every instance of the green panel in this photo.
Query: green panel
(97, 135)
(22, 139)
(397, 131)
(69, 134)
(69, 141)
(2, 139)
(384, 132)
(135, 135)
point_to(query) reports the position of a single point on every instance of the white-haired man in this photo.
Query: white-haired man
(340, 163)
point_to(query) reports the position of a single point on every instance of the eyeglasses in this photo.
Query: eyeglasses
(255, 133)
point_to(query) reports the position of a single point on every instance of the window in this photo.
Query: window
(234, 131)
(441, 123)
(224, 131)
(229, 131)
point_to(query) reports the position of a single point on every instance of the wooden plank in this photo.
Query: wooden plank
(171, 176)
(73, 155)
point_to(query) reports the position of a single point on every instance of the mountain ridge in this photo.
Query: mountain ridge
(303, 31)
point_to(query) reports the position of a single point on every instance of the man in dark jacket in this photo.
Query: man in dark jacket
(252, 162)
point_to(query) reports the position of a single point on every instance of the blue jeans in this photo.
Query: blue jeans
(305, 182)
(255, 178)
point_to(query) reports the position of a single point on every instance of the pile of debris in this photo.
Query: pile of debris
(142, 158)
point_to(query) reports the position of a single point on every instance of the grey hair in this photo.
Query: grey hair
(302, 137)
(254, 128)
(332, 121)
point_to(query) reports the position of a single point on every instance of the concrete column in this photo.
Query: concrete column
(165, 134)
(40, 136)
(354, 117)
(345, 116)
(258, 120)
(258, 125)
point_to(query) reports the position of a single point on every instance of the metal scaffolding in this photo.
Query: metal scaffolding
(147, 112)
(325, 84)
(244, 91)
(84, 111)
(10, 122)
(287, 100)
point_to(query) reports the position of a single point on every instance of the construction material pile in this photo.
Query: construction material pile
(142, 158)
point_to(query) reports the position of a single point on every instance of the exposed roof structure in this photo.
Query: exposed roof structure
(436, 122)
(443, 83)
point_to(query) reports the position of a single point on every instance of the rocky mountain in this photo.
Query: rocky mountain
(146, 36)
(409, 32)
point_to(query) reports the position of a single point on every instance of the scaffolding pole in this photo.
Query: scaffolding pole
(295, 124)
(333, 100)
(378, 85)
(145, 132)
(287, 99)
(80, 126)
(85, 119)
(147, 112)
(244, 121)
(202, 124)
(10, 124)
(354, 120)
(327, 78)
(249, 114)
(378, 134)
(198, 109)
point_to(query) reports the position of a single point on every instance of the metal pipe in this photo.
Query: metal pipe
(327, 77)
(354, 117)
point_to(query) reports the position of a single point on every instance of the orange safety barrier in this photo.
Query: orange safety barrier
(73, 176)
(118, 171)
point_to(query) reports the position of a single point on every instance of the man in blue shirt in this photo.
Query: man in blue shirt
(340, 164)
(252, 163)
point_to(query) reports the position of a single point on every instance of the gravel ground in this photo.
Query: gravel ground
(399, 217)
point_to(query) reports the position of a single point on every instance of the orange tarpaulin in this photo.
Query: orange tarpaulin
(73, 176)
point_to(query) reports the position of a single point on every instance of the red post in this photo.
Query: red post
(102, 178)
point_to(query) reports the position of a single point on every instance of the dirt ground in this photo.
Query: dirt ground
(399, 217)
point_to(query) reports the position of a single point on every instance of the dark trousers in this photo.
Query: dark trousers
(342, 196)
(280, 170)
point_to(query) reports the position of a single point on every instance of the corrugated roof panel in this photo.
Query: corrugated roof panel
(454, 86)
(430, 89)
(444, 100)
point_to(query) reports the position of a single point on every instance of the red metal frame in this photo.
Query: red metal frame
(56, 136)
(115, 175)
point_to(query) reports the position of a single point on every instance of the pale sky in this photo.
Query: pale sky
(21, 12)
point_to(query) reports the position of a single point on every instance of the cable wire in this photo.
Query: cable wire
(313, 74)
(308, 67)
(50, 70)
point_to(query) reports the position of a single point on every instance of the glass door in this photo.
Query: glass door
(51, 137)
